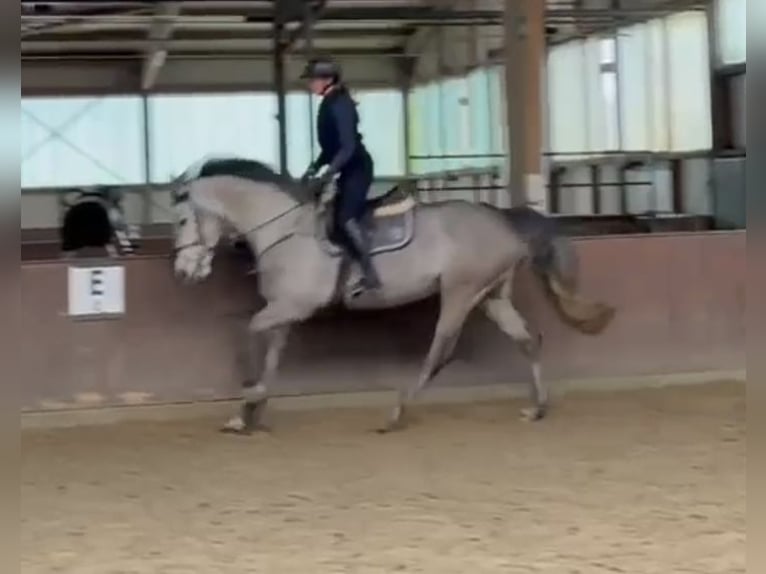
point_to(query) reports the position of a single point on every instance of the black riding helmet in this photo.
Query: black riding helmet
(322, 69)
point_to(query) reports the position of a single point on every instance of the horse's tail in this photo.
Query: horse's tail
(555, 261)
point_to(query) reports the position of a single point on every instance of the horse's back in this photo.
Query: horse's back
(522, 221)
(459, 212)
(471, 230)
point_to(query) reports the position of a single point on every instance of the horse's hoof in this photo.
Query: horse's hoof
(532, 414)
(393, 426)
(236, 425)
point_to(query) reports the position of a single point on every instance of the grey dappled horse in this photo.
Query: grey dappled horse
(466, 252)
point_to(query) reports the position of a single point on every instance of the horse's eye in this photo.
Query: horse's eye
(183, 222)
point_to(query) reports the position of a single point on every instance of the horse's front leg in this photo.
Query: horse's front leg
(273, 327)
(255, 396)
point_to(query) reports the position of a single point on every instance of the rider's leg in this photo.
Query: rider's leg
(360, 239)
(336, 232)
(352, 207)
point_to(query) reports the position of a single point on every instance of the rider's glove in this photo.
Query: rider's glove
(308, 175)
(317, 184)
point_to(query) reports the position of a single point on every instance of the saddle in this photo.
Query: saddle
(389, 220)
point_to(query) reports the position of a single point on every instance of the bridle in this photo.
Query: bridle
(183, 198)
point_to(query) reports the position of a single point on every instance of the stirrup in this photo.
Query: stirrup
(357, 289)
(363, 285)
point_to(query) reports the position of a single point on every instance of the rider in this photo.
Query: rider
(344, 154)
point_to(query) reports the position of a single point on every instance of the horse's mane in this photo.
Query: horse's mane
(251, 169)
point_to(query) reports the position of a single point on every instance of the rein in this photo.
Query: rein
(200, 243)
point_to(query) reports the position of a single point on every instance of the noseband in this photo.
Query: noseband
(199, 242)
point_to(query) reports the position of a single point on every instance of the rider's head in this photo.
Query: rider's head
(321, 75)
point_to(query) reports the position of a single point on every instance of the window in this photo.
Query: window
(602, 112)
(480, 121)
(567, 102)
(657, 98)
(664, 84)
(689, 81)
(425, 133)
(81, 141)
(498, 111)
(583, 97)
(636, 105)
(647, 90)
(732, 38)
(416, 132)
(434, 129)
(461, 118)
(608, 69)
(186, 128)
(455, 123)
(607, 51)
(300, 132)
(381, 114)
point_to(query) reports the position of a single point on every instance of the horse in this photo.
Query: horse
(94, 218)
(467, 253)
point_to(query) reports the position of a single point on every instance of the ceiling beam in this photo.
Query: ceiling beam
(34, 23)
(394, 14)
(242, 34)
(418, 40)
(138, 48)
(266, 53)
(313, 12)
(159, 35)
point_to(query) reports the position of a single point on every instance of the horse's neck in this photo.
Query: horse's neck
(306, 222)
(266, 217)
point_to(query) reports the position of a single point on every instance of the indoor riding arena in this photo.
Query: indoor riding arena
(621, 120)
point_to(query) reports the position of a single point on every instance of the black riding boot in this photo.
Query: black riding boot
(361, 244)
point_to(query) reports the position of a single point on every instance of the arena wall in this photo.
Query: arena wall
(680, 299)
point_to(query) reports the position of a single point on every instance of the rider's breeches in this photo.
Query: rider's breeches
(353, 185)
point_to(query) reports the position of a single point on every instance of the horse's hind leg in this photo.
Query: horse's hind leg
(454, 310)
(437, 358)
(504, 314)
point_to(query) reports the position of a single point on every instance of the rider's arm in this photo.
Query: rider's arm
(344, 113)
(320, 161)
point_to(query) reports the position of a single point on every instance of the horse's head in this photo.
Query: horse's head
(196, 233)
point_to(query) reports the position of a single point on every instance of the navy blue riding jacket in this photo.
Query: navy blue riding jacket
(338, 131)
